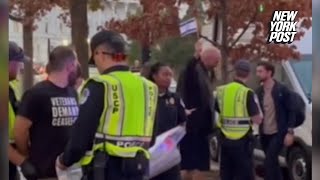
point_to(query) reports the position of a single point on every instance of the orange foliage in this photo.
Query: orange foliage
(160, 19)
(237, 16)
(30, 10)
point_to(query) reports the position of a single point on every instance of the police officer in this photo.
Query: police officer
(116, 120)
(238, 109)
(170, 110)
(16, 57)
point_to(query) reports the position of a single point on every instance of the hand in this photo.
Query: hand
(28, 170)
(256, 119)
(190, 111)
(288, 140)
(198, 48)
(59, 164)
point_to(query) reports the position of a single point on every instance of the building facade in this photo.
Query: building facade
(52, 31)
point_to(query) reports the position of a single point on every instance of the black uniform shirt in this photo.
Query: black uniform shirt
(87, 124)
(170, 112)
(52, 110)
(253, 108)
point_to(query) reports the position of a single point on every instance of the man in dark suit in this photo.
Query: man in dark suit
(195, 87)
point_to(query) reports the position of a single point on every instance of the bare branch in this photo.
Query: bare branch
(245, 29)
(15, 18)
(209, 40)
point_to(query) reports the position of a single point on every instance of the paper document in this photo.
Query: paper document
(165, 153)
(72, 173)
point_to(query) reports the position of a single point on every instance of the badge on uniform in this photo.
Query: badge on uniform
(172, 101)
(84, 95)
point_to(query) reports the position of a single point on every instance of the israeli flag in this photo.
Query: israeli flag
(188, 27)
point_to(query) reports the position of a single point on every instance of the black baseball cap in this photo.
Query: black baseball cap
(242, 65)
(16, 53)
(112, 39)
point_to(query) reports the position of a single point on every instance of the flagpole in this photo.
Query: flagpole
(198, 2)
(199, 28)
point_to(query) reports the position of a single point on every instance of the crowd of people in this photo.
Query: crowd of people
(109, 127)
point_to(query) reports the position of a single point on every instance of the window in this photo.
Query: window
(16, 27)
(61, 27)
(46, 27)
(282, 76)
(303, 71)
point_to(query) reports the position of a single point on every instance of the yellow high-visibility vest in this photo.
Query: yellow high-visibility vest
(126, 123)
(234, 120)
(15, 86)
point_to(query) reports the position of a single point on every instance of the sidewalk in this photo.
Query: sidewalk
(214, 173)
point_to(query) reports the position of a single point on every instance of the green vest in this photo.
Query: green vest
(234, 120)
(126, 123)
(15, 86)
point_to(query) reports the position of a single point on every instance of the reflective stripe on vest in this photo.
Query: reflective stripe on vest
(15, 86)
(126, 123)
(12, 118)
(234, 119)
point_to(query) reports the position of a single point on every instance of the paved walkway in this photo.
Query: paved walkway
(214, 173)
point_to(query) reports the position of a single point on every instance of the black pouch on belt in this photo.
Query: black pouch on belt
(135, 166)
(100, 161)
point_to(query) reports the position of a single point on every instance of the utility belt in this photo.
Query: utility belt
(248, 138)
(129, 167)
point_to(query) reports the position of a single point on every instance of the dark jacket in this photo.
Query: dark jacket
(196, 91)
(285, 115)
(170, 112)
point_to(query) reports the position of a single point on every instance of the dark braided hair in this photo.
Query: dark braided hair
(154, 69)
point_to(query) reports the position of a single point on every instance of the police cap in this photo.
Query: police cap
(112, 39)
(16, 53)
(242, 65)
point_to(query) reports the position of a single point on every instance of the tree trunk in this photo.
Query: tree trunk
(28, 49)
(79, 32)
(145, 54)
(224, 43)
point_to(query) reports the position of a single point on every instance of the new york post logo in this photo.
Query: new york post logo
(283, 27)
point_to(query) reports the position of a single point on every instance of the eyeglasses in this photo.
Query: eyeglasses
(103, 52)
(116, 56)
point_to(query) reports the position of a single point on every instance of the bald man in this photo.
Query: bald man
(195, 87)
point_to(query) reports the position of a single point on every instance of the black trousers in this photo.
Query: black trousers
(113, 171)
(236, 159)
(13, 172)
(171, 174)
(272, 146)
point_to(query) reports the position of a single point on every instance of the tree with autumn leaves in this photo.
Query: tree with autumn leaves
(236, 18)
(157, 20)
(28, 12)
